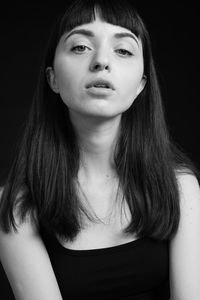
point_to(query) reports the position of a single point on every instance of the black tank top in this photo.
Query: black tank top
(135, 270)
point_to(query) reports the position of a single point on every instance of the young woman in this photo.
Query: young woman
(99, 202)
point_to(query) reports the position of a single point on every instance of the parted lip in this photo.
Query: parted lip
(100, 81)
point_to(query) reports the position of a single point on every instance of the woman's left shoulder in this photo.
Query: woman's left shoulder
(189, 189)
(189, 199)
(185, 244)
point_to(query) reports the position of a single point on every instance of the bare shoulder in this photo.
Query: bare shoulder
(187, 182)
(189, 193)
(185, 245)
(26, 262)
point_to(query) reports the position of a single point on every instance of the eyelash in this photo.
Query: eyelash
(74, 49)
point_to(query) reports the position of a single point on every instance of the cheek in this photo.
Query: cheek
(131, 81)
(67, 80)
(64, 77)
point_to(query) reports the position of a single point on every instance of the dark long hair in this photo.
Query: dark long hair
(41, 182)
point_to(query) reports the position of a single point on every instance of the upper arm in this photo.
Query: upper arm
(185, 245)
(27, 264)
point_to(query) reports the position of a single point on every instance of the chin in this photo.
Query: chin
(99, 110)
(102, 114)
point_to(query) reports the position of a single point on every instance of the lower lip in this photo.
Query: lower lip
(94, 91)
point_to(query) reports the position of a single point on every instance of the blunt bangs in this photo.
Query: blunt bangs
(113, 12)
(119, 13)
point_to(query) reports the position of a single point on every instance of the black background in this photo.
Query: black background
(174, 32)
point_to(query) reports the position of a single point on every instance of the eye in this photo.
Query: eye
(79, 48)
(124, 52)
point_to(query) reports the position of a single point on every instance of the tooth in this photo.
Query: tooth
(100, 85)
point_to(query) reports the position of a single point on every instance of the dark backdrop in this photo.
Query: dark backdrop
(175, 36)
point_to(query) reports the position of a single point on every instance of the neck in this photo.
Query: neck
(97, 140)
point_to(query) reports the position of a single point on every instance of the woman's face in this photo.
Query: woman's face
(98, 69)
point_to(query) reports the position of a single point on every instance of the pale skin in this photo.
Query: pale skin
(96, 121)
(98, 53)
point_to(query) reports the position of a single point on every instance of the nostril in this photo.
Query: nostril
(99, 66)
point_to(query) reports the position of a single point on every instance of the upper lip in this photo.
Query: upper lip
(100, 81)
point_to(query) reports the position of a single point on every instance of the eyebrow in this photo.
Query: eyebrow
(91, 34)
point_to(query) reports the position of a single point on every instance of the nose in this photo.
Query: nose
(100, 62)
